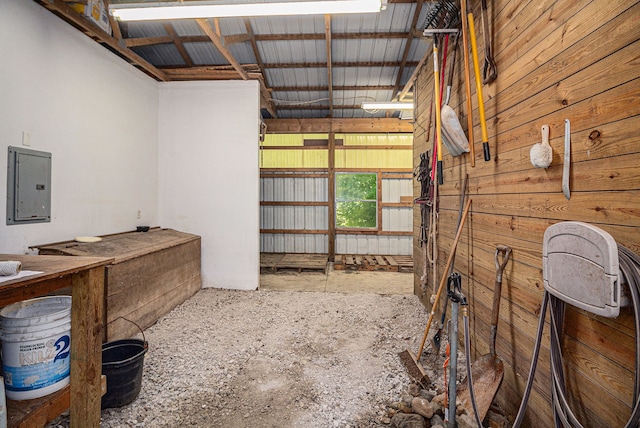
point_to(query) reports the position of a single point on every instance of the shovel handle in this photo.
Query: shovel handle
(467, 80)
(476, 70)
(444, 278)
(505, 251)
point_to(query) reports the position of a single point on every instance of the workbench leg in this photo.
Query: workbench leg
(86, 347)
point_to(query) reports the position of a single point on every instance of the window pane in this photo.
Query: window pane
(356, 186)
(356, 214)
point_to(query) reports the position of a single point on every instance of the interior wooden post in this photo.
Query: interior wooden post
(332, 194)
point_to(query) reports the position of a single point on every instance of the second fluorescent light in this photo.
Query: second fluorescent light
(387, 106)
(194, 9)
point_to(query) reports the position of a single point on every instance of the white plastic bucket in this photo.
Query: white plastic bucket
(36, 343)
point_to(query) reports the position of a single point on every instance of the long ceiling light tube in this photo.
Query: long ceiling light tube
(386, 106)
(194, 10)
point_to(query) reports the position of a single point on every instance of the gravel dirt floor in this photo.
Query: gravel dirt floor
(275, 359)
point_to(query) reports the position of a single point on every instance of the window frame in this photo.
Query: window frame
(376, 201)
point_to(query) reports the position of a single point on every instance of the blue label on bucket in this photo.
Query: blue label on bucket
(40, 366)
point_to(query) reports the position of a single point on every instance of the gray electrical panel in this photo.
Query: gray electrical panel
(28, 186)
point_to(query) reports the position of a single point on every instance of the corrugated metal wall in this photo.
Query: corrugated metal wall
(292, 199)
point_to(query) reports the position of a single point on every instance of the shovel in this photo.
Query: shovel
(488, 370)
(453, 135)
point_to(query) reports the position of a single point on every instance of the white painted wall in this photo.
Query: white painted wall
(96, 115)
(209, 175)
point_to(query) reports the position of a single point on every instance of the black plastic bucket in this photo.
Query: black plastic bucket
(122, 363)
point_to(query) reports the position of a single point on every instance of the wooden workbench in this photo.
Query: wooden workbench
(85, 276)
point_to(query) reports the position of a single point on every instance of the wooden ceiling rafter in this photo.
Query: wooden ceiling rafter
(216, 39)
(335, 88)
(244, 37)
(92, 30)
(168, 27)
(327, 33)
(207, 73)
(219, 44)
(266, 93)
(407, 47)
(345, 64)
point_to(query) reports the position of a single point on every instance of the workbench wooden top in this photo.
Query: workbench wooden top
(50, 266)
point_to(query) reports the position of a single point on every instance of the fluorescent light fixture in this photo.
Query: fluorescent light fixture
(197, 9)
(387, 106)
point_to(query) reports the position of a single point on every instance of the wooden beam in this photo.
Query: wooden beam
(146, 41)
(327, 34)
(243, 38)
(363, 147)
(335, 88)
(412, 79)
(91, 29)
(331, 192)
(205, 73)
(407, 47)
(341, 36)
(360, 125)
(217, 41)
(178, 43)
(335, 64)
(115, 27)
(264, 89)
(294, 203)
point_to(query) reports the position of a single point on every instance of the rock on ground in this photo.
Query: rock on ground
(274, 359)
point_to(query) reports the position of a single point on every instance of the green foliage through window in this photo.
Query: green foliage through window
(356, 200)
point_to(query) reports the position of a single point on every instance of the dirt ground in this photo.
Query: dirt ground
(275, 359)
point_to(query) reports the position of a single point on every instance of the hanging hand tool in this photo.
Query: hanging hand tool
(454, 293)
(567, 159)
(488, 370)
(467, 80)
(410, 361)
(476, 69)
(489, 70)
(436, 81)
(437, 338)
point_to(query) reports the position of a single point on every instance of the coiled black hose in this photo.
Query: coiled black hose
(564, 416)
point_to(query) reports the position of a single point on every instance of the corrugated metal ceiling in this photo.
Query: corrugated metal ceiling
(372, 55)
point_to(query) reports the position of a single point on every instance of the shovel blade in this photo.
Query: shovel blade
(487, 373)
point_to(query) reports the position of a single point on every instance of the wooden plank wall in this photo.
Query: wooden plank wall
(577, 60)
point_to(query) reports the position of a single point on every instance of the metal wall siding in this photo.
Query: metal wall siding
(397, 219)
(380, 245)
(304, 243)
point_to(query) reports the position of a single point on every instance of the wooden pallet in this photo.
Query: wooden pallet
(374, 263)
(274, 262)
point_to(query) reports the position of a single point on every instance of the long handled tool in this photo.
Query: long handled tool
(476, 70)
(489, 70)
(467, 80)
(454, 293)
(453, 135)
(437, 338)
(488, 370)
(410, 361)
